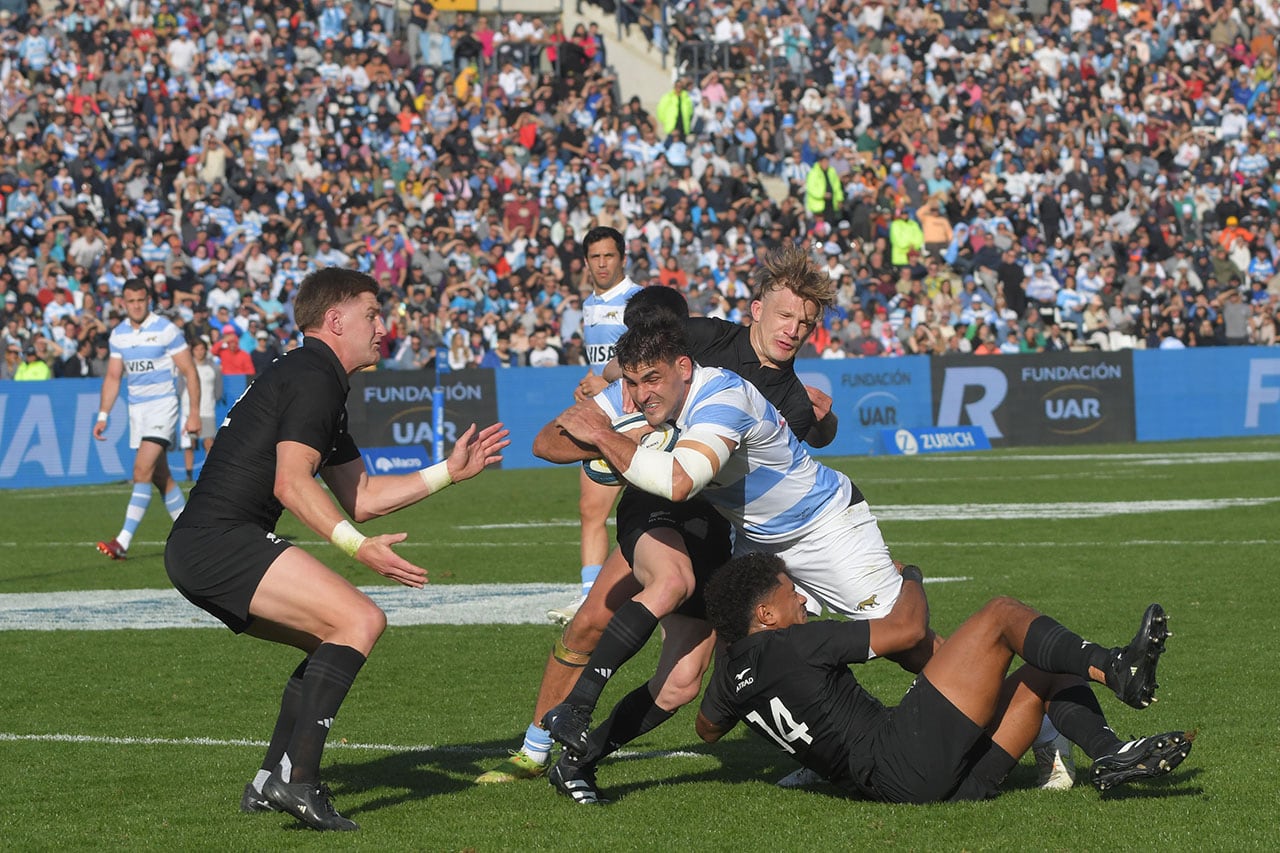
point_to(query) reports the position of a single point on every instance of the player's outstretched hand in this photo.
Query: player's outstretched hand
(376, 553)
(473, 452)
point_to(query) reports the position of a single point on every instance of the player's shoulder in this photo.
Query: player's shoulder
(712, 381)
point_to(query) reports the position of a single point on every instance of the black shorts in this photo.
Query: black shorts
(706, 533)
(218, 569)
(928, 750)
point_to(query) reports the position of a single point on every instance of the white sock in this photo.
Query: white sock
(260, 779)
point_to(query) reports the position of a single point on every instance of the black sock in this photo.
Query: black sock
(329, 676)
(1075, 712)
(1053, 648)
(635, 714)
(628, 631)
(982, 782)
(284, 722)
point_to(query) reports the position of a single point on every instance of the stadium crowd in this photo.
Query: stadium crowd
(979, 178)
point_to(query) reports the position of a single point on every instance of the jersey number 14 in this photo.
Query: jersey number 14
(785, 730)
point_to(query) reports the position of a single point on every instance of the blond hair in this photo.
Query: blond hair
(790, 267)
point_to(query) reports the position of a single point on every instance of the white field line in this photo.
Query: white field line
(987, 511)
(1138, 458)
(14, 737)
(141, 609)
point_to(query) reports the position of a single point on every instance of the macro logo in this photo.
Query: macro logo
(1073, 409)
(396, 464)
(394, 459)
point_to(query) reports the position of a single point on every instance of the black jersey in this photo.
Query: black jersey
(719, 343)
(794, 688)
(301, 397)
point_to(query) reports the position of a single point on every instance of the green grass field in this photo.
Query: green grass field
(132, 739)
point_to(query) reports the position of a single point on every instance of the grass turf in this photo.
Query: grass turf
(447, 701)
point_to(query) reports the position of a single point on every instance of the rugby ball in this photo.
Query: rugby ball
(662, 437)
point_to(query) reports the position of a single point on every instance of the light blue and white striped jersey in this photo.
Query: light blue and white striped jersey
(602, 321)
(148, 353)
(771, 489)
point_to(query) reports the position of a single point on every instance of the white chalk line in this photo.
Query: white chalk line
(149, 609)
(105, 740)
(988, 511)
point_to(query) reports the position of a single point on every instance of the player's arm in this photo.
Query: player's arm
(110, 391)
(297, 489)
(907, 624)
(709, 731)
(676, 476)
(716, 715)
(186, 366)
(365, 497)
(825, 422)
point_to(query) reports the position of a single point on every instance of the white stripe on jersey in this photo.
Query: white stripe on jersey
(602, 321)
(147, 353)
(771, 489)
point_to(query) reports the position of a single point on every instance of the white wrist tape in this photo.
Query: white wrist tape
(102, 417)
(436, 477)
(651, 470)
(347, 538)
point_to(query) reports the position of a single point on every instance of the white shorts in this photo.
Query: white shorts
(843, 564)
(154, 419)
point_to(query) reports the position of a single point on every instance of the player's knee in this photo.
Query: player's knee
(1001, 612)
(1001, 606)
(370, 622)
(671, 589)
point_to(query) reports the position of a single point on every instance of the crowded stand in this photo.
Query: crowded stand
(977, 178)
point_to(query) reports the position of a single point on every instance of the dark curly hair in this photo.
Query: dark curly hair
(656, 339)
(735, 590)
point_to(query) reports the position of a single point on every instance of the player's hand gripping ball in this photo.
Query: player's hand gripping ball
(662, 437)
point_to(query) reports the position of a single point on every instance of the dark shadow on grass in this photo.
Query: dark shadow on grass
(415, 774)
(1173, 785)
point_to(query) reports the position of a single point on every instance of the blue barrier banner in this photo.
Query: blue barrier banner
(909, 442)
(870, 395)
(46, 432)
(1038, 398)
(394, 460)
(1206, 393)
(529, 397)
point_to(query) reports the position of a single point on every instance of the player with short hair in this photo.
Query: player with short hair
(224, 556)
(604, 252)
(791, 292)
(736, 452)
(962, 724)
(149, 353)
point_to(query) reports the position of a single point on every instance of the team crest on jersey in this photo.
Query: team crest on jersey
(867, 603)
